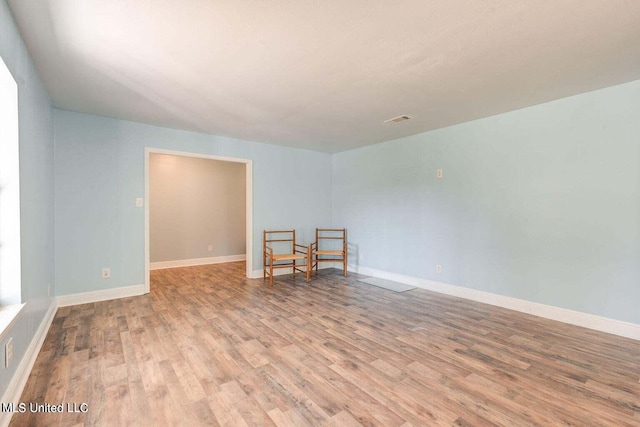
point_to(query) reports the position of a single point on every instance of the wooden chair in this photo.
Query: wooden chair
(330, 242)
(280, 250)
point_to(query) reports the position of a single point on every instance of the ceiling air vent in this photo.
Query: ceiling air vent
(398, 119)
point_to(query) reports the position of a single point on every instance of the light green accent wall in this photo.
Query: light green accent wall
(36, 193)
(99, 165)
(541, 204)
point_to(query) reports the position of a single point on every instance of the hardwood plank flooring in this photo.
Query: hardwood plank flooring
(209, 347)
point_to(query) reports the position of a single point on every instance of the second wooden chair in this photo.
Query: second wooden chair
(330, 246)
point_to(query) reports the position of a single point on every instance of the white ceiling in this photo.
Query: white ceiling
(324, 75)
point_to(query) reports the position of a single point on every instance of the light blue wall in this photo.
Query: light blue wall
(541, 204)
(99, 165)
(36, 192)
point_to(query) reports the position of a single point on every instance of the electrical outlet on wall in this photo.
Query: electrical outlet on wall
(106, 273)
(439, 173)
(438, 269)
(210, 248)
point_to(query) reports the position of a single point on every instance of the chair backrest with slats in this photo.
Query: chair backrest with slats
(281, 241)
(331, 238)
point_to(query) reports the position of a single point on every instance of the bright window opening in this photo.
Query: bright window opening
(10, 265)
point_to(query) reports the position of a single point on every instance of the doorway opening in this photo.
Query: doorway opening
(186, 156)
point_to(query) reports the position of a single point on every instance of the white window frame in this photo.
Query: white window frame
(10, 257)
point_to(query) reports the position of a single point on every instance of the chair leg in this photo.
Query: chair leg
(344, 265)
(271, 273)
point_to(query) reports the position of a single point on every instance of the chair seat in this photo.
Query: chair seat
(287, 257)
(299, 259)
(328, 252)
(325, 248)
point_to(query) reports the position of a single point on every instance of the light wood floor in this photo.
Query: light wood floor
(209, 347)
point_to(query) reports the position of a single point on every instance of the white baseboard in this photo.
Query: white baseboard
(196, 261)
(598, 323)
(19, 380)
(101, 295)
